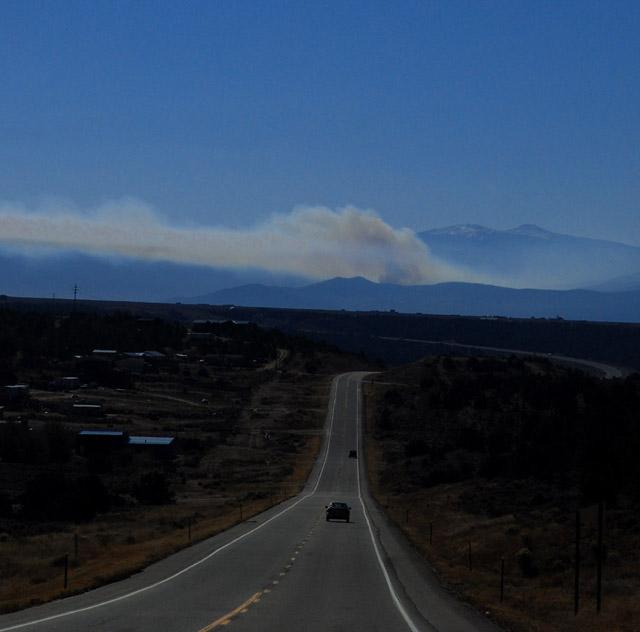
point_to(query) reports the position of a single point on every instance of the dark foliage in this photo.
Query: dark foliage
(153, 489)
(395, 337)
(6, 505)
(514, 420)
(34, 336)
(21, 444)
(53, 496)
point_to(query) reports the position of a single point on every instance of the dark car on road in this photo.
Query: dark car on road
(353, 454)
(338, 511)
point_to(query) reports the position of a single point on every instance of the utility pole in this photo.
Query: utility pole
(600, 556)
(576, 590)
(75, 294)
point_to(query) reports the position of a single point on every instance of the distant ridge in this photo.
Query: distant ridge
(464, 299)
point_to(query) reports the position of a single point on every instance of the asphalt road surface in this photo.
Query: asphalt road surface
(287, 569)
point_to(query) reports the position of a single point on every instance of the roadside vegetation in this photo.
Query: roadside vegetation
(230, 418)
(484, 462)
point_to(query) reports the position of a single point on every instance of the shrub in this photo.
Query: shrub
(52, 496)
(5, 505)
(153, 489)
(416, 447)
(524, 559)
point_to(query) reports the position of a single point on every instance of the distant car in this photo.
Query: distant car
(353, 454)
(338, 511)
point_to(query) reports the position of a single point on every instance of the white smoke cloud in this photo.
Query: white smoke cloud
(313, 242)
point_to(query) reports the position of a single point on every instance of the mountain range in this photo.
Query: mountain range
(532, 257)
(529, 272)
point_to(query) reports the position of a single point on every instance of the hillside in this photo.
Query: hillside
(496, 456)
(389, 336)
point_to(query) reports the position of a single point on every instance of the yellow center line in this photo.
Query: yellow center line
(224, 620)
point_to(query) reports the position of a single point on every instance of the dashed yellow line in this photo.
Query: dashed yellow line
(225, 620)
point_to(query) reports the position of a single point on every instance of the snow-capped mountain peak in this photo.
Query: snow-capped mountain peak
(471, 231)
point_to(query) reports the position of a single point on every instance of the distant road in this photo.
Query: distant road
(288, 569)
(604, 370)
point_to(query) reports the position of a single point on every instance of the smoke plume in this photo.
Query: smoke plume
(313, 242)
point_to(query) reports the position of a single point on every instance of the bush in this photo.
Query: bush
(52, 496)
(153, 489)
(524, 559)
(416, 447)
(5, 505)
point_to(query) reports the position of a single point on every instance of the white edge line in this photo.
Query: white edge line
(69, 613)
(394, 596)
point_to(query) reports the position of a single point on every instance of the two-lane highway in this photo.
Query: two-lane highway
(288, 569)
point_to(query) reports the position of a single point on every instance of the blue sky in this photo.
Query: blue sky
(224, 115)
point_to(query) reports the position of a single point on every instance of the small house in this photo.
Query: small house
(160, 447)
(68, 383)
(91, 442)
(14, 392)
(84, 410)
